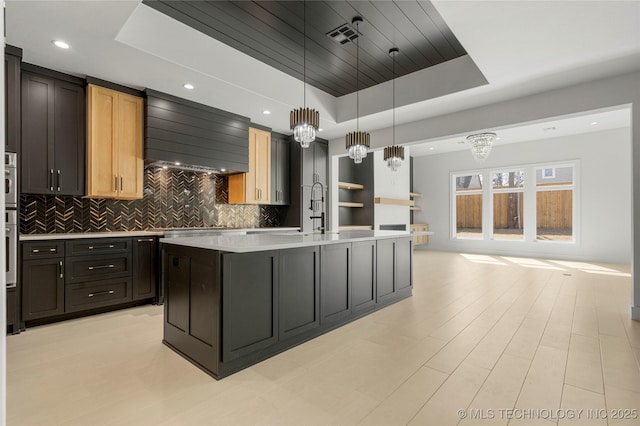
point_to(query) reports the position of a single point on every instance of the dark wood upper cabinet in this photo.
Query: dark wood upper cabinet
(280, 169)
(53, 135)
(12, 59)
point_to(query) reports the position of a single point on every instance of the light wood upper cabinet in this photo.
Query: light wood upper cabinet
(254, 187)
(115, 165)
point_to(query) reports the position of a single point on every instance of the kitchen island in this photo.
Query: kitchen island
(234, 300)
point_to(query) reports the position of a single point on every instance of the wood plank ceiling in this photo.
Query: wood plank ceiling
(272, 32)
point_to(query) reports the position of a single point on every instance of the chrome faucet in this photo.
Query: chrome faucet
(312, 206)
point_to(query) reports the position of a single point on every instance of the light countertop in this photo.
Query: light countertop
(283, 240)
(155, 232)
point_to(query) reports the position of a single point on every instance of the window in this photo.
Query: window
(548, 172)
(554, 204)
(508, 204)
(468, 205)
(524, 203)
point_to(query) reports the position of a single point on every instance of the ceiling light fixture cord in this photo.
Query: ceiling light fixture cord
(357, 143)
(393, 85)
(357, 77)
(304, 53)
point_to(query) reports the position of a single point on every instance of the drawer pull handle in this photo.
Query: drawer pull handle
(145, 240)
(101, 247)
(101, 292)
(91, 268)
(52, 250)
(35, 251)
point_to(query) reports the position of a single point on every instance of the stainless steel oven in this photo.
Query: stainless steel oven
(10, 181)
(11, 242)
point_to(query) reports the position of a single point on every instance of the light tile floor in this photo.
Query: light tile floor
(507, 340)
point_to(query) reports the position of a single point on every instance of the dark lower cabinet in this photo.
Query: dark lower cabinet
(385, 270)
(404, 264)
(42, 288)
(192, 304)
(70, 276)
(13, 317)
(227, 311)
(335, 287)
(145, 265)
(97, 294)
(363, 280)
(250, 300)
(299, 274)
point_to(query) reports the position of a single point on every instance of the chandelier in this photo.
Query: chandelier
(481, 144)
(394, 154)
(304, 121)
(357, 143)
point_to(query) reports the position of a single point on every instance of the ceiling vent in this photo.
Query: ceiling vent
(343, 34)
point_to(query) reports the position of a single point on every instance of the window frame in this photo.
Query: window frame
(529, 190)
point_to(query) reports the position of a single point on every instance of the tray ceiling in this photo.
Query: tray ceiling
(272, 32)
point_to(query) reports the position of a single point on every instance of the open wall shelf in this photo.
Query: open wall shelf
(349, 185)
(355, 194)
(349, 204)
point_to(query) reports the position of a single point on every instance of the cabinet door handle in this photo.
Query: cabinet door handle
(115, 184)
(91, 268)
(60, 265)
(53, 250)
(101, 292)
(101, 247)
(51, 179)
(145, 240)
(120, 183)
(58, 180)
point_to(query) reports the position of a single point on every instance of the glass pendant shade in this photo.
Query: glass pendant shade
(304, 123)
(394, 156)
(481, 144)
(357, 144)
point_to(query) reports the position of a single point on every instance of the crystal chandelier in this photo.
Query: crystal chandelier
(304, 121)
(481, 144)
(357, 143)
(394, 154)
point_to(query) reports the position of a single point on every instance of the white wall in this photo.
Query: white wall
(388, 184)
(603, 200)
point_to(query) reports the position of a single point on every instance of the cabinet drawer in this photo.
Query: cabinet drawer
(89, 268)
(79, 297)
(98, 246)
(42, 249)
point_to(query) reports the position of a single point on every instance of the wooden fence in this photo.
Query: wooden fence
(554, 210)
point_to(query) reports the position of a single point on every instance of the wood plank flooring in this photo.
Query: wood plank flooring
(509, 340)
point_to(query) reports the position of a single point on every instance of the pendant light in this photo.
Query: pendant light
(304, 121)
(357, 143)
(394, 154)
(481, 144)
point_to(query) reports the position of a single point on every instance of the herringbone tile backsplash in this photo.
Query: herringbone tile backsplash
(172, 199)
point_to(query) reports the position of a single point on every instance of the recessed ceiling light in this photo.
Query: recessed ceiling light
(497, 139)
(320, 129)
(431, 148)
(61, 44)
(223, 170)
(266, 112)
(176, 163)
(164, 167)
(188, 86)
(593, 123)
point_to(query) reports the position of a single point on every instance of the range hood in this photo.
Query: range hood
(186, 135)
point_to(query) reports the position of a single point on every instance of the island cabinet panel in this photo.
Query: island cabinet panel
(335, 287)
(385, 271)
(363, 281)
(299, 274)
(192, 304)
(250, 303)
(404, 266)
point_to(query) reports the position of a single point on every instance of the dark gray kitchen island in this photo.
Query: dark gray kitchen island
(232, 301)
